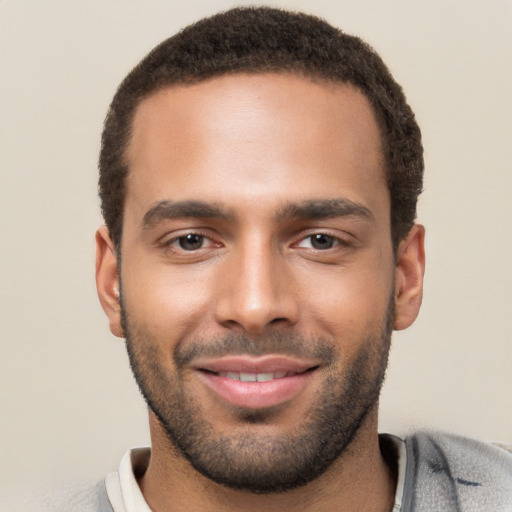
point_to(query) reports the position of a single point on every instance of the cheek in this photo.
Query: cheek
(169, 300)
(349, 302)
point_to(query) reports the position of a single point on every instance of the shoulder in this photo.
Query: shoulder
(90, 499)
(450, 472)
(459, 453)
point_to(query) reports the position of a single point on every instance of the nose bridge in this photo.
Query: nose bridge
(254, 292)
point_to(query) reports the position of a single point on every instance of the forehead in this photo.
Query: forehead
(266, 138)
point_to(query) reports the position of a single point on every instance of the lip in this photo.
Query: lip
(256, 395)
(260, 364)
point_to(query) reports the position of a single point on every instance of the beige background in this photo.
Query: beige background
(69, 406)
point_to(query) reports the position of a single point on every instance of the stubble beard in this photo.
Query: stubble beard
(249, 460)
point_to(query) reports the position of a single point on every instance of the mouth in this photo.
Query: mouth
(255, 383)
(258, 377)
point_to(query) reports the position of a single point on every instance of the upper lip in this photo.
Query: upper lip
(260, 364)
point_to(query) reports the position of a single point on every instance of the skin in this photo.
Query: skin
(253, 145)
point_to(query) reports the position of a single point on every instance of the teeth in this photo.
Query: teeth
(255, 377)
(264, 377)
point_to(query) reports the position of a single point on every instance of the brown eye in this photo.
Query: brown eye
(322, 241)
(191, 242)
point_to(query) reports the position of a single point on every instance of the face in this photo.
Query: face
(258, 280)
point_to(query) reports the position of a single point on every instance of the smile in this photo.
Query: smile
(256, 377)
(254, 383)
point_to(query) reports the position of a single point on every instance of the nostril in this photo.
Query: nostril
(277, 320)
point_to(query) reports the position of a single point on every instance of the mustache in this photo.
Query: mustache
(240, 344)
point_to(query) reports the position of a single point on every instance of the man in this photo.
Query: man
(259, 174)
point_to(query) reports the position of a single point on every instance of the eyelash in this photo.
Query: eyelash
(336, 241)
(175, 243)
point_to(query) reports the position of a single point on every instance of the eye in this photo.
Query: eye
(190, 242)
(319, 241)
(190, 245)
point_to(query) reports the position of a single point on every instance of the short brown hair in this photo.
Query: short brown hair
(258, 40)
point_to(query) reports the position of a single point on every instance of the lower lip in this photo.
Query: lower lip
(256, 395)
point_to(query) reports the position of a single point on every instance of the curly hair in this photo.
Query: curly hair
(262, 40)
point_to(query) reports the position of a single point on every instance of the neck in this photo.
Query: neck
(359, 479)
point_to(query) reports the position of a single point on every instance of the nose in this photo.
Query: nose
(256, 291)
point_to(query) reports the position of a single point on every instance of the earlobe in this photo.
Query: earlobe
(409, 271)
(107, 280)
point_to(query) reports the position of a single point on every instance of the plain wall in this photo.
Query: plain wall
(69, 406)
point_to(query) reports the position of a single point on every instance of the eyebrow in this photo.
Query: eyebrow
(305, 210)
(325, 209)
(168, 210)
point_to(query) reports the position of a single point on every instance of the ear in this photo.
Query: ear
(107, 280)
(409, 271)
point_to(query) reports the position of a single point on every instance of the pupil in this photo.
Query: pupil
(191, 242)
(322, 241)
